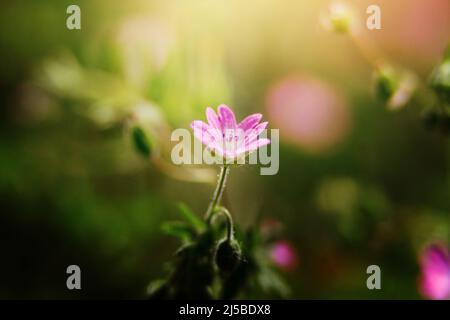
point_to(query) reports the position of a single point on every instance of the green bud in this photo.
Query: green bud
(338, 18)
(386, 83)
(394, 87)
(440, 80)
(228, 255)
(141, 141)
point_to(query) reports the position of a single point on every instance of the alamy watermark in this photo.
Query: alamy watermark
(73, 22)
(374, 280)
(74, 279)
(233, 146)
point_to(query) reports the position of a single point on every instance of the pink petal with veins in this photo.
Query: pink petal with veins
(226, 117)
(213, 120)
(250, 122)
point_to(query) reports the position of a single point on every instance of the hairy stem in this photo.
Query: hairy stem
(217, 193)
(227, 215)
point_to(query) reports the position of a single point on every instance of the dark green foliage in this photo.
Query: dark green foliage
(192, 272)
(207, 266)
(437, 119)
(178, 229)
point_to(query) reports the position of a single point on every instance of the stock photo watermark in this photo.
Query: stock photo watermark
(373, 21)
(374, 280)
(339, 11)
(73, 281)
(231, 146)
(73, 22)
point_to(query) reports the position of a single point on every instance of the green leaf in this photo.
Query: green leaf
(198, 224)
(178, 229)
(141, 141)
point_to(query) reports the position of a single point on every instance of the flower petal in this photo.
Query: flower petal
(253, 146)
(226, 117)
(199, 125)
(204, 132)
(213, 120)
(250, 122)
(435, 281)
(252, 134)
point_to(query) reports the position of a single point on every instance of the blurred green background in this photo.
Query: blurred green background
(357, 185)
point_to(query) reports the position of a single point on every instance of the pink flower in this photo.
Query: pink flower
(283, 254)
(435, 279)
(308, 112)
(225, 137)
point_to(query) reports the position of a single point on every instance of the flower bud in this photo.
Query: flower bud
(394, 87)
(338, 18)
(228, 255)
(440, 79)
(386, 82)
(141, 141)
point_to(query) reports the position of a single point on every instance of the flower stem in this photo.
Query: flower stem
(368, 50)
(230, 226)
(217, 193)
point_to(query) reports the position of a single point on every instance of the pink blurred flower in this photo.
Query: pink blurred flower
(308, 112)
(416, 31)
(283, 255)
(228, 139)
(435, 278)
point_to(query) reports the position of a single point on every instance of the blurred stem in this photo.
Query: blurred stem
(230, 226)
(217, 193)
(367, 49)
